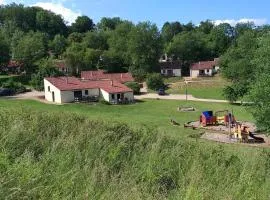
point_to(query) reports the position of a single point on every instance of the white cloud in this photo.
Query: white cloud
(69, 15)
(233, 22)
(2, 2)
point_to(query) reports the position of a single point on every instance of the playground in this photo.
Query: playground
(222, 126)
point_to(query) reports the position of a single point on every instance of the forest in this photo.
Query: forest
(36, 38)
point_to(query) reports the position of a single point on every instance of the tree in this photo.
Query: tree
(260, 85)
(82, 24)
(118, 41)
(169, 30)
(95, 40)
(145, 47)
(109, 23)
(48, 22)
(92, 58)
(29, 49)
(4, 51)
(189, 27)
(24, 18)
(236, 64)
(46, 68)
(58, 45)
(74, 56)
(189, 47)
(222, 36)
(154, 81)
(113, 62)
(75, 37)
(134, 86)
(260, 96)
(206, 26)
(241, 28)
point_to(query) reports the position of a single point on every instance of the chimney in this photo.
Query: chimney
(121, 75)
(111, 82)
(67, 79)
(91, 73)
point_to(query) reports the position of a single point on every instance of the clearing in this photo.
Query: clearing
(207, 88)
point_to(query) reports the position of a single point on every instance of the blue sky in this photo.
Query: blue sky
(159, 11)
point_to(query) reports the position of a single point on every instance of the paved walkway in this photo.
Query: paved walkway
(177, 97)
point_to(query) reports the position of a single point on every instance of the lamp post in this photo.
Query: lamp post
(186, 83)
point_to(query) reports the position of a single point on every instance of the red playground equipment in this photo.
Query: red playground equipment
(223, 117)
(207, 118)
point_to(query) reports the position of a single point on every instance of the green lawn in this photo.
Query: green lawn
(4, 76)
(153, 113)
(204, 88)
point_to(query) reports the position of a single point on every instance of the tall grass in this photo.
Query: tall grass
(63, 156)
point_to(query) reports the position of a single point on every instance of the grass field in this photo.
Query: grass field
(154, 113)
(4, 76)
(207, 88)
(77, 152)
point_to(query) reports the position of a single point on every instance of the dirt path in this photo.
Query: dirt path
(33, 95)
(177, 97)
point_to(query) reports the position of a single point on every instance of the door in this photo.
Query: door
(118, 96)
(53, 97)
(170, 72)
(77, 95)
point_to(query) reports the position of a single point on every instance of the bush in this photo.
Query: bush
(15, 86)
(134, 86)
(102, 101)
(154, 81)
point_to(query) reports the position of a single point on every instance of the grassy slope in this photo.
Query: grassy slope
(56, 155)
(153, 113)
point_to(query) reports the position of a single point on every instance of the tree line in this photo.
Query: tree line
(30, 34)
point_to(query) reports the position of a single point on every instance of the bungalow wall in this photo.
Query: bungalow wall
(197, 73)
(171, 72)
(50, 91)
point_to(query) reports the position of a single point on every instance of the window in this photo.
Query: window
(49, 88)
(86, 92)
(113, 96)
(208, 71)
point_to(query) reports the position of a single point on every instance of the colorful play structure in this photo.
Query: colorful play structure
(223, 117)
(240, 132)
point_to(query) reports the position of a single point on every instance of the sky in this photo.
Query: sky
(158, 11)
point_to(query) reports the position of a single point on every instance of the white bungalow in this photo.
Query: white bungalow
(70, 89)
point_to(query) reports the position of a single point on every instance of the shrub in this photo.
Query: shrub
(154, 81)
(15, 86)
(134, 86)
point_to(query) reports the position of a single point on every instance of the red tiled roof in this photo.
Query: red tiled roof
(101, 75)
(203, 65)
(14, 64)
(72, 83)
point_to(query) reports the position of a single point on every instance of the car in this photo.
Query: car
(161, 91)
(6, 92)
